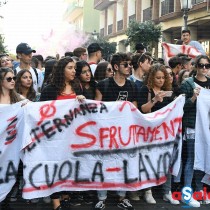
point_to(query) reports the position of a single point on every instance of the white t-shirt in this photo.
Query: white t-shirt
(93, 68)
(40, 78)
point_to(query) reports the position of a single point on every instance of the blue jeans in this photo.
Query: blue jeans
(177, 178)
(188, 168)
(102, 194)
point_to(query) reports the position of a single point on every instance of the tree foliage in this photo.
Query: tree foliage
(109, 48)
(147, 33)
(2, 46)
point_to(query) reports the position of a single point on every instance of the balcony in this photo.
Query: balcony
(167, 7)
(119, 25)
(110, 29)
(102, 4)
(147, 14)
(131, 17)
(74, 10)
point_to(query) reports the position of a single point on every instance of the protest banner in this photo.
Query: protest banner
(170, 50)
(10, 146)
(96, 145)
(202, 133)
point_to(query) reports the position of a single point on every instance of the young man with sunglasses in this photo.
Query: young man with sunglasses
(191, 89)
(116, 88)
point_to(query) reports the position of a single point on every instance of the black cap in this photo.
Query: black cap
(94, 47)
(24, 48)
(140, 46)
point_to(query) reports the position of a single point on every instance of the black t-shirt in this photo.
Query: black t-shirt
(175, 86)
(205, 84)
(113, 92)
(89, 93)
(143, 99)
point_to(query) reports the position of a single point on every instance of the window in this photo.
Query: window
(167, 6)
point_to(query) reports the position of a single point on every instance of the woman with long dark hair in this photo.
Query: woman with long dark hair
(103, 70)
(24, 85)
(49, 65)
(62, 86)
(85, 80)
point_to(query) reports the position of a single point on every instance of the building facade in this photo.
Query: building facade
(115, 16)
(83, 16)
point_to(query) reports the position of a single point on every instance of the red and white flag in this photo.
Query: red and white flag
(171, 50)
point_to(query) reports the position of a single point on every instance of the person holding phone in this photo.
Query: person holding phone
(157, 92)
(153, 96)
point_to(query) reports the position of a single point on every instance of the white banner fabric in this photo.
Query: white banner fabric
(202, 134)
(99, 146)
(10, 145)
(171, 50)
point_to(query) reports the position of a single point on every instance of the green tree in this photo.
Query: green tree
(2, 46)
(108, 48)
(147, 33)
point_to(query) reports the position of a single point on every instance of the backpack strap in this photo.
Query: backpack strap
(36, 73)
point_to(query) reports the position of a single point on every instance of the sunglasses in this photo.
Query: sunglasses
(9, 79)
(109, 69)
(201, 65)
(125, 64)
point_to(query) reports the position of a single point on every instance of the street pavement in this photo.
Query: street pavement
(110, 205)
(20, 204)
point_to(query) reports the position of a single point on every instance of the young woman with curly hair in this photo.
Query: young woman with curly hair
(152, 97)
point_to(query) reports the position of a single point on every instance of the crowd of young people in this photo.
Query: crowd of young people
(135, 77)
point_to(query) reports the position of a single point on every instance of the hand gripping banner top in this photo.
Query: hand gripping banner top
(96, 145)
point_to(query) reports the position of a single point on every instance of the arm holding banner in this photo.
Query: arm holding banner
(191, 92)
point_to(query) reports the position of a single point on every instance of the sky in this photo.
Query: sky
(40, 24)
